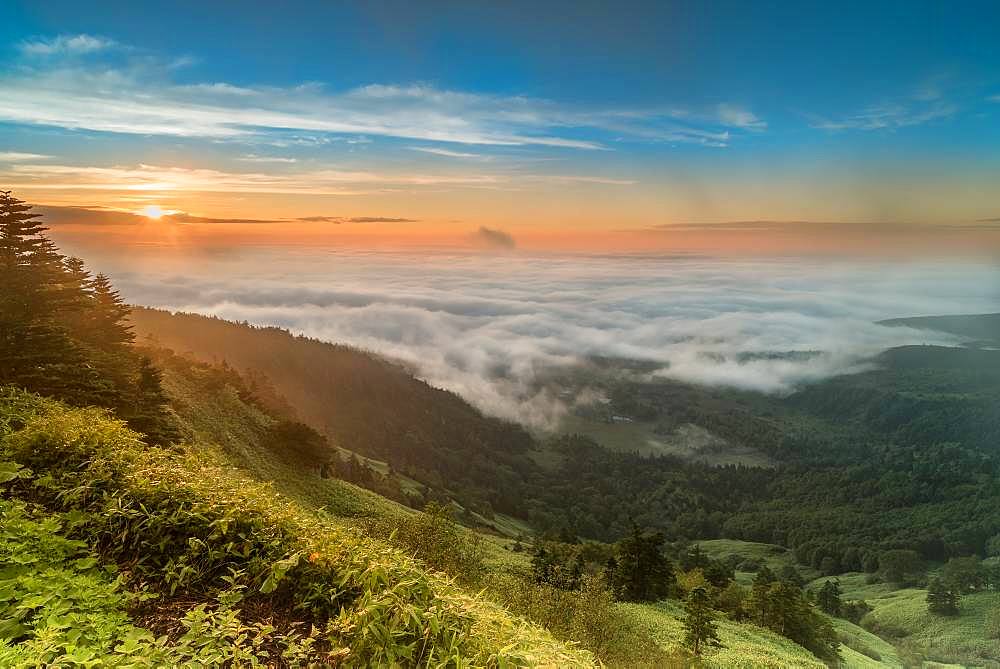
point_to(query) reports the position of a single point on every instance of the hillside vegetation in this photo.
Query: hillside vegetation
(152, 556)
(899, 615)
(366, 404)
(744, 646)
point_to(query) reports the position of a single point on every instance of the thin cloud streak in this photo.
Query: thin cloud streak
(156, 178)
(444, 152)
(141, 97)
(66, 45)
(319, 181)
(924, 105)
(14, 156)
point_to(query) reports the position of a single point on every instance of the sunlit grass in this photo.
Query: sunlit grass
(743, 646)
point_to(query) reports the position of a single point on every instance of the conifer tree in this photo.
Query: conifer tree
(109, 319)
(760, 594)
(36, 350)
(150, 413)
(643, 572)
(829, 598)
(699, 625)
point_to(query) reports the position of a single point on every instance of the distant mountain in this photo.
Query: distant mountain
(981, 327)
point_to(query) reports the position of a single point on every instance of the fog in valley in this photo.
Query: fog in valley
(489, 326)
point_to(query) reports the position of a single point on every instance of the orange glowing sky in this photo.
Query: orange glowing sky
(470, 128)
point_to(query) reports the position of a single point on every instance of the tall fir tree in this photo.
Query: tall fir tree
(109, 328)
(699, 625)
(65, 334)
(150, 408)
(828, 598)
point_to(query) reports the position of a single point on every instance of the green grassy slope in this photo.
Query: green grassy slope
(219, 566)
(743, 646)
(861, 648)
(210, 409)
(900, 616)
(772, 556)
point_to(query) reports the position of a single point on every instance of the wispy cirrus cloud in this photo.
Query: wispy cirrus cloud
(158, 178)
(318, 181)
(140, 95)
(581, 179)
(15, 156)
(253, 158)
(448, 153)
(924, 104)
(738, 117)
(66, 45)
(888, 117)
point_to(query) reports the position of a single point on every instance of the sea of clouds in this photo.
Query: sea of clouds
(488, 326)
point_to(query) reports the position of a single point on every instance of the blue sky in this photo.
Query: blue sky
(648, 112)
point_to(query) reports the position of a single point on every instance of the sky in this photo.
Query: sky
(777, 127)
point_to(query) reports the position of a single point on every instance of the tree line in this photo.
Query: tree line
(64, 332)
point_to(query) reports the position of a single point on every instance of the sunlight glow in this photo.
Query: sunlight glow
(152, 211)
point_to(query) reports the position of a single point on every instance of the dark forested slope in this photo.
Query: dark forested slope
(364, 403)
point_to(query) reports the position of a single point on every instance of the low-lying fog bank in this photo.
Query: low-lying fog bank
(486, 326)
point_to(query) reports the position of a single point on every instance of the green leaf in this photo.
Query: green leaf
(10, 470)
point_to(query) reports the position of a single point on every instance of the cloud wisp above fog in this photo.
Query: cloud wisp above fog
(493, 238)
(489, 327)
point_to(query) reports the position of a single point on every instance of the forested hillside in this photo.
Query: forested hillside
(902, 456)
(366, 404)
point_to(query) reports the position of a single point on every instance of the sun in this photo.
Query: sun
(152, 211)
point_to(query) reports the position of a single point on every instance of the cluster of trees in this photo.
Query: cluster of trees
(784, 607)
(64, 332)
(637, 568)
(958, 577)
